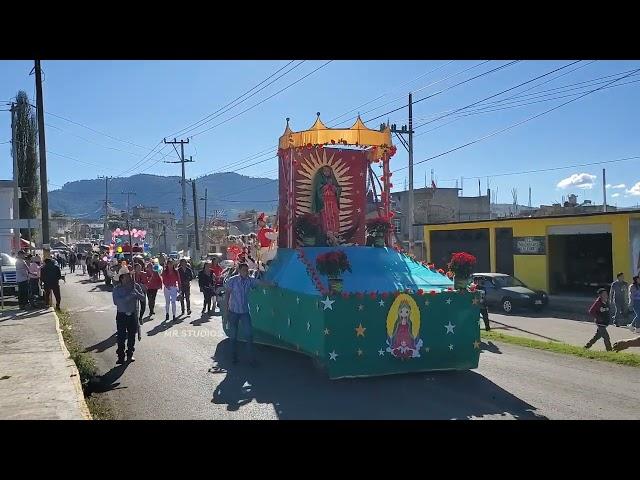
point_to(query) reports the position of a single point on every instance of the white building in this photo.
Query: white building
(6, 213)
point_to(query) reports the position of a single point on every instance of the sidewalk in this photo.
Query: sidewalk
(573, 332)
(38, 380)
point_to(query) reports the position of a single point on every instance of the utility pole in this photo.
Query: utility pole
(411, 198)
(195, 219)
(128, 194)
(205, 222)
(106, 206)
(44, 194)
(16, 194)
(604, 190)
(182, 161)
(408, 145)
(164, 234)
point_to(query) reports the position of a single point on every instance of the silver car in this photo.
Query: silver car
(9, 284)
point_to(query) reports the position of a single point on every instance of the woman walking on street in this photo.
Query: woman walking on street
(154, 284)
(82, 259)
(634, 303)
(171, 282)
(140, 277)
(205, 281)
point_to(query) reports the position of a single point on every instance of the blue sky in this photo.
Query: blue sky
(142, 101)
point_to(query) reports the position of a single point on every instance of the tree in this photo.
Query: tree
(26, 148)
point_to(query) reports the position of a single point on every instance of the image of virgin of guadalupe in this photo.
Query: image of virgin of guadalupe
(402, 343)
(325, 200)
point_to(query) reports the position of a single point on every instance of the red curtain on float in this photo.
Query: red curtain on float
(327, 182)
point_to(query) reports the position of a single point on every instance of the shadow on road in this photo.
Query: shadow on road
(490, 347)
(108, 381)
(306, 393)
(103, 345)
(164, 326)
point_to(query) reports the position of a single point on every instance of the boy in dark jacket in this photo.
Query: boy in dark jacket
(600, 312)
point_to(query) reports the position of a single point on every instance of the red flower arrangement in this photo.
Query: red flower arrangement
(378, 226)
(333, 264)
(420, 291)
(384, 294)
(373, 295)
(345, 295)
(462, 264)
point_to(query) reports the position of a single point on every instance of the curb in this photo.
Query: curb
(84, 409)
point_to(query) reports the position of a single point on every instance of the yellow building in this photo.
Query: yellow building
(568, 253)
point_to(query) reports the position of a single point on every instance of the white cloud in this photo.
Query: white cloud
(620, 186)
(635, 190)
(615, 195)
(578, 180)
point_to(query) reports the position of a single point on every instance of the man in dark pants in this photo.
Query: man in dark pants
(483, 304)
(600, 312)
(51, 275)
(72, 262)
(126, 296)
(186, 275)
(237, 309)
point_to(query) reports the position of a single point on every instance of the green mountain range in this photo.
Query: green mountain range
(229, 193)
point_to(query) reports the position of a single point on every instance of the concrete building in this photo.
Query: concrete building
(558, 254)
(6, 212)
(435, 205)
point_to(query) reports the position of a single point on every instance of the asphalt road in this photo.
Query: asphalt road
(183, 371)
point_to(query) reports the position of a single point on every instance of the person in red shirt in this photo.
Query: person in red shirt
(140, 277)
(266, 237)
(171, 282)
(218, 281)
(154, 283)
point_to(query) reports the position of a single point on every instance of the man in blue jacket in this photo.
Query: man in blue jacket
(127, 295)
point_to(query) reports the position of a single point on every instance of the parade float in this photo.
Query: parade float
(343, 295)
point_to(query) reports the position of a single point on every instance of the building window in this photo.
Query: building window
(396, 225)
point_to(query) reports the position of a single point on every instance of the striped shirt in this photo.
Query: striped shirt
(239, 288)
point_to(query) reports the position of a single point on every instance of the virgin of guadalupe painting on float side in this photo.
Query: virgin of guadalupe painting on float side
(403, 328)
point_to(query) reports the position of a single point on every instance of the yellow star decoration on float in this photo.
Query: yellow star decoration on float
(360, 330)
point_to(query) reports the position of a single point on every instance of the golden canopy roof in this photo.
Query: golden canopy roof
(319, 134)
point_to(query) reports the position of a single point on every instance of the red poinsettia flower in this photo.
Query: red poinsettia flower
(345, 294)
(373, 295)
(420, 291)
(433, 292)
(384, 294)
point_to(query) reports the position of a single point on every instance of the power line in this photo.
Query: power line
(403, 97)
(447, 89)
(385, 94)
(219, 169)
(521, 122)
(219, 112)
(499, 93)
(262, 101)
(490, 110)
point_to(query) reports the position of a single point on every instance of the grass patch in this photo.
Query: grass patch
(622, 358)
(86, 368)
